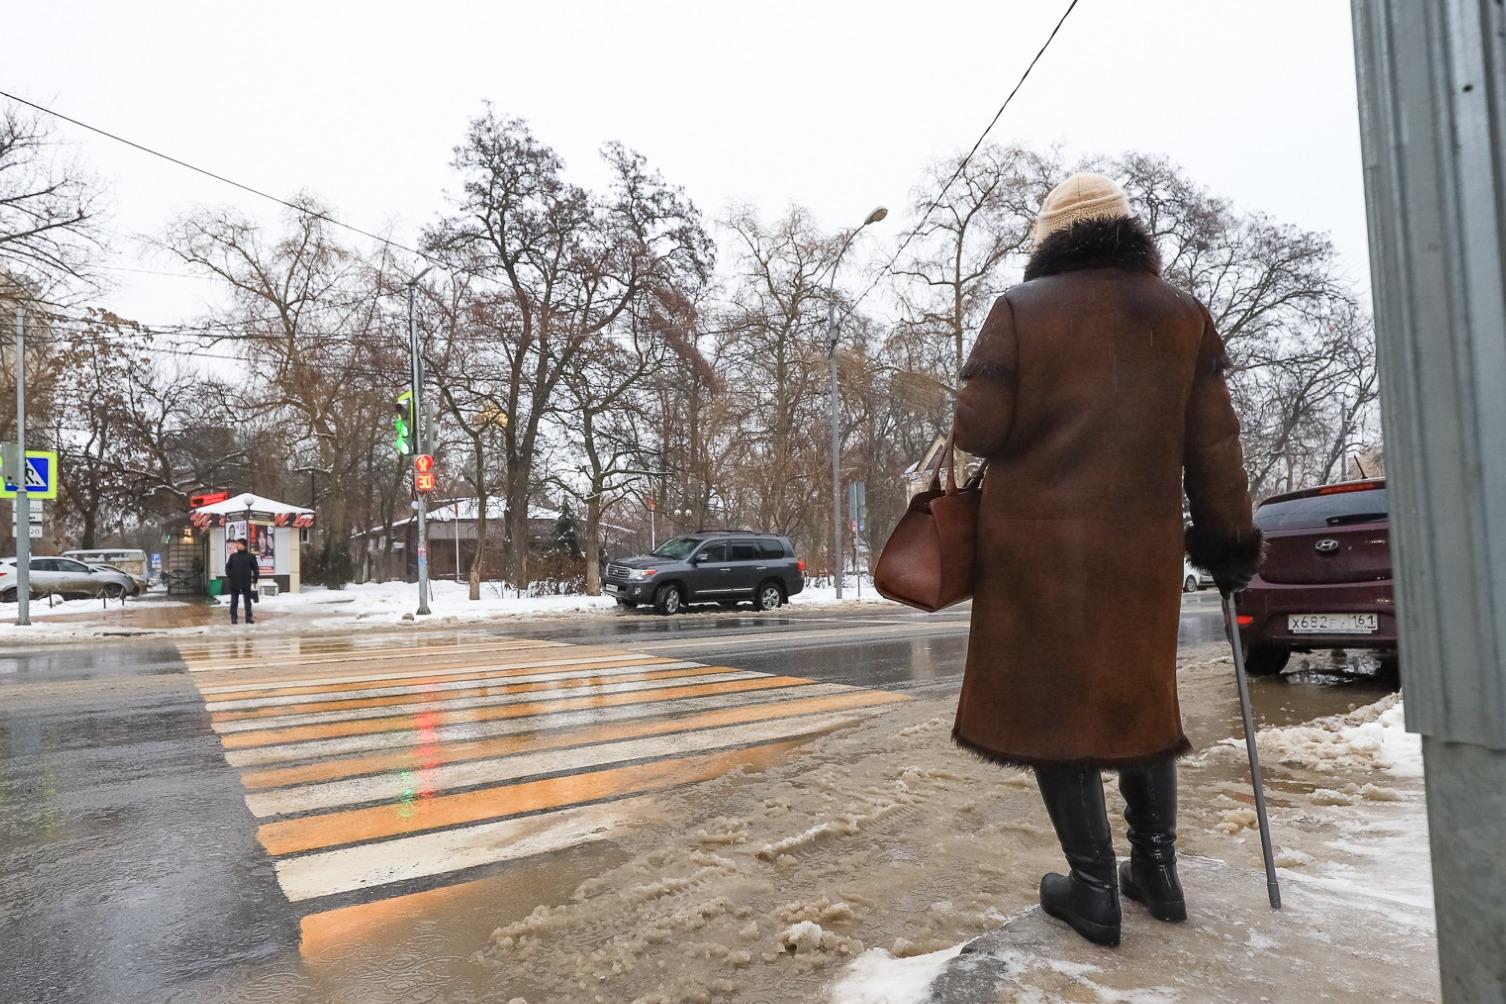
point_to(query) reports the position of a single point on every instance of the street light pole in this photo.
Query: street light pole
(834, 336)
(23, 501)
(420, 437)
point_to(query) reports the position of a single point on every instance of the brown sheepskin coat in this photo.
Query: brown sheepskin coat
(1096, 391)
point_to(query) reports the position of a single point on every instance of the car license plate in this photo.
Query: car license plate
(1331, 623)
(610, 588)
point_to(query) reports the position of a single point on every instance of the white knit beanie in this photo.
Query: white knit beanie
(1083, 196)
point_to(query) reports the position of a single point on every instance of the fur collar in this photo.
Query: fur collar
(1121, 243)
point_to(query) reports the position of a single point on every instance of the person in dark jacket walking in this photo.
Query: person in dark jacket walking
(1096, 392)
(242, 572)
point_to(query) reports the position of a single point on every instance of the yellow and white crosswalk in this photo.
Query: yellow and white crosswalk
(385, 762)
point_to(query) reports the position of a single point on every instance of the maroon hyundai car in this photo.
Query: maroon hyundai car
(1326, 579)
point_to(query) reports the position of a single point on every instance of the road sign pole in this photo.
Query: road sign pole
(23, 502)
(423, 499)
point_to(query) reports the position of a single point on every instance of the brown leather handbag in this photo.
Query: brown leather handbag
(928, 560)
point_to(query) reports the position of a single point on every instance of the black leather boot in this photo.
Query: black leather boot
(1088, 897)
(1150, 875)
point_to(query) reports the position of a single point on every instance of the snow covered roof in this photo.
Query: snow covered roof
(256, 503)
(465, 511)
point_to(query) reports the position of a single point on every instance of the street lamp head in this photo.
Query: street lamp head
(875, 216)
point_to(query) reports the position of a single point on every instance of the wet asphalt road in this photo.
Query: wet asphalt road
(129, 865)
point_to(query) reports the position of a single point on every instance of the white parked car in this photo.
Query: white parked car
(1194, 579)
(66, 577)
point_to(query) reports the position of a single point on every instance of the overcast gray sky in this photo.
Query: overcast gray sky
(836, 106)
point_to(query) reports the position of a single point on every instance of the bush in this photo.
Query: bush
(334, 567)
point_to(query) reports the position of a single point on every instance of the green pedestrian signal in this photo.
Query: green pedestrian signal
(402, 424)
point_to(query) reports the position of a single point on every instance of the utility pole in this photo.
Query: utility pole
(1432, 96)
(421, 437)
(834, 337)
(23, 501)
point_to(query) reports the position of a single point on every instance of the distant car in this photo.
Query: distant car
(130, 560)
(67, 578)
(724, 567)
(1326, 579)
(1192, 578)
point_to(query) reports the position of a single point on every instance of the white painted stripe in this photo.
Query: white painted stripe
(317, 749)
(325, 873)
(463, 704)
(431, 688)
(391, 786)
(275, 660)
(421, 670)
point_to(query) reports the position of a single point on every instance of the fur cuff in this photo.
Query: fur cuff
(984, 368)
(1121, 243)
(1236, 559)
(1182, 747)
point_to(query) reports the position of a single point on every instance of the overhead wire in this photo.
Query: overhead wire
(224, 179)
(888, 268)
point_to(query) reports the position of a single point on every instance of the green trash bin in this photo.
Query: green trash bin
(217, 586)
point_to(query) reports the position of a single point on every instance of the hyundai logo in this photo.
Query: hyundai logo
(1326, 546)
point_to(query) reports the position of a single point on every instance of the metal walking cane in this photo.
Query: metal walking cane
(1232, 626)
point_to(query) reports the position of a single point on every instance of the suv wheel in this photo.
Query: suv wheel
(1189, 584)
(1266, 660)
(669, 600)
(769, 596)
(9, 596)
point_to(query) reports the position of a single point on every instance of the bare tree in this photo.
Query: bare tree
(320, 355)
(49, 213)
(570, 264)
(967, 236)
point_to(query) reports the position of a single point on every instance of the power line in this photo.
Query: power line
(962, 165)
(225, 180)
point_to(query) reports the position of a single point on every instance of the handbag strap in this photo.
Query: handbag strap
(948, 459)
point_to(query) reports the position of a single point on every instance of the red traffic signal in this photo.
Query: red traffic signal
(424, 481)
(424, 463)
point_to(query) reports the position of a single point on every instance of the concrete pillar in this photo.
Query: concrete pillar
(1432, 92)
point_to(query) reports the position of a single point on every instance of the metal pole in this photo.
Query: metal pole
(419, 434)
(1273, 890)
(1432, 96)
(834, 336)
(23, 501)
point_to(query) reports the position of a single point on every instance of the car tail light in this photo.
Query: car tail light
(800, 567)
(1244, 620)
(1348, 486)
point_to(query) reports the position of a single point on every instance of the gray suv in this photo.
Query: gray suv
(725, 566)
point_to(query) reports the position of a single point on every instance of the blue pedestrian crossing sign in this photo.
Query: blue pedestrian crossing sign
(41, 476)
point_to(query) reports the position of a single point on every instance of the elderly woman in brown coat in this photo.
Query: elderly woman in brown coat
(1096, 392)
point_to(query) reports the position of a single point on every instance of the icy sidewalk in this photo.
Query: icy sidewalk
(854, 871)
(1356, 921)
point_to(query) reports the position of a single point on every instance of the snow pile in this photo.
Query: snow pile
(877, 977)
(1373, 737)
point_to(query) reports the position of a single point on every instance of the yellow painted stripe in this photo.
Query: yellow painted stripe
(293, 836)
(426, 757)
(327, 730)
(434, 696)
(481, 672)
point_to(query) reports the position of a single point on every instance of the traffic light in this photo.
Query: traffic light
(402, 424)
